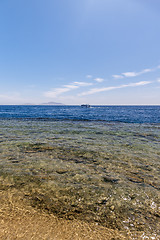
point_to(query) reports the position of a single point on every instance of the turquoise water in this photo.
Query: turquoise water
(98, 171)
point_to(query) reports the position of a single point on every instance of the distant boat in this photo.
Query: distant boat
(85, 105)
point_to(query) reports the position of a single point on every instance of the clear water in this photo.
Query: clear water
(105, 170)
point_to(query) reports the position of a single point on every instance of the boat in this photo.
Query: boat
(85, 105)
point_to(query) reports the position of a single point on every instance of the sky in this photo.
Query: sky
(100, 52)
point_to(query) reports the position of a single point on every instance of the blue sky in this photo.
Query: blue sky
(80, 51)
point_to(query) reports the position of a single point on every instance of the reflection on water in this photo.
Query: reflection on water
(94, 171)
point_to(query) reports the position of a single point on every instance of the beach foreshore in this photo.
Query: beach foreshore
(18, 220)
(78, 180)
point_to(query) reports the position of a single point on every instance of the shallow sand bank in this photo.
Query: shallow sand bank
(18, 220)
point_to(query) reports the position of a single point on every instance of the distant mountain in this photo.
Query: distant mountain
(28, 104)
(52, 103)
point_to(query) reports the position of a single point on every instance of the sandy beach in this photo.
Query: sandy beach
(18, 221)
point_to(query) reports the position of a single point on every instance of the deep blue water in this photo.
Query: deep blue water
(126, 114)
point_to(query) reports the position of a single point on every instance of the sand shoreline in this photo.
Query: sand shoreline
(18, 220)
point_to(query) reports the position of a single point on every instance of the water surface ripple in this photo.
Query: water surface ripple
(126, 114)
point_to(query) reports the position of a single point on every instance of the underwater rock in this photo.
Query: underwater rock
(61, 171)
(110, 179)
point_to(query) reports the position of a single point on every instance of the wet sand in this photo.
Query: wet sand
(18, 220)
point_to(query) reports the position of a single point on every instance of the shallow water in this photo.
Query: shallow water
(101, 172)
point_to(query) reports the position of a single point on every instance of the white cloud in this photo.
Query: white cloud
(147, 70)
(70, 86)
(134, 74)
(96, 90)
(99, 80)
(83, 84)
(130, 74)
(88, 76)
(117, 76)
(138, 83)
(158, 80)
(58, 91)
(55, 92)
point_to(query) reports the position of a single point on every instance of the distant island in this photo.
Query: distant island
(52, 103)
(48, 103)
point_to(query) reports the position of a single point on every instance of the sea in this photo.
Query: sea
(124, 114)
(99, 164)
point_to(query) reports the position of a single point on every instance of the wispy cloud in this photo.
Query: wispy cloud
(88, 76)
(135, 74)
(55, 92)
(117, 76)
(97, 90)
(158, 80)
(99, 80)
(130, 74)
(83, 84)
